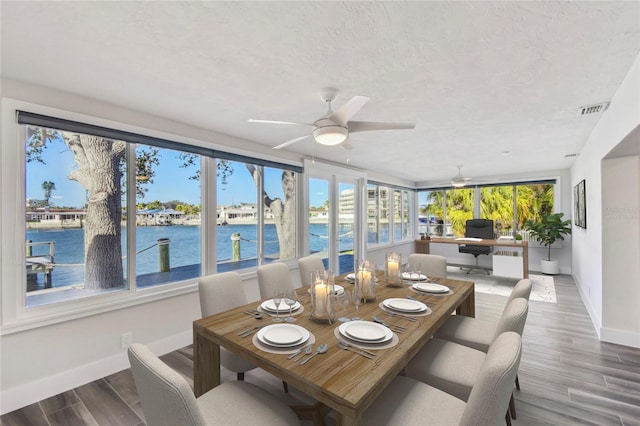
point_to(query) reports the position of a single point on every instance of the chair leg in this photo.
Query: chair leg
(517, 383)
(241, 377)
(512, 407)
(285, 385)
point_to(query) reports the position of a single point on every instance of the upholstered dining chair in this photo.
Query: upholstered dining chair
(219, 293)
(308, 265)
(273, 276)
(167, 398)
(453, 367)
(410, 402)
(431, 265)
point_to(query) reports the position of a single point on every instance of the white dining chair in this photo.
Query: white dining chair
(167, 398)
(407, 401)
(480, 334)
(431, 265)
(308, 265)
(273, 276)
(219, 293)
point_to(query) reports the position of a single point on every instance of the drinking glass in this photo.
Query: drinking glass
(344, 298)
(290, 298)
(356, 301)
(277, 298)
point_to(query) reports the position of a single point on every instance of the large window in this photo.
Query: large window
(444, 212)
(387, 221)
(106, 214)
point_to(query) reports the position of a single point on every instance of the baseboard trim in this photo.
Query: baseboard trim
(620, 337)
(32, 392)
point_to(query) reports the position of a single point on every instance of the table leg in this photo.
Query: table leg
(525, 262)
(206, 364)
(468, 305)
(342, 420)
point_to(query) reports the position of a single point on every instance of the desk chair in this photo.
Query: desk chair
(478, 228)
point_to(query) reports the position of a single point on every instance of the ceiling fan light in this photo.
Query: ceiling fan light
(458, 183)
(330, 135)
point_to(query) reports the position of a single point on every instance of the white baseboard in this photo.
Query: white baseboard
(620, 337)
(29, 393)
(595, 320)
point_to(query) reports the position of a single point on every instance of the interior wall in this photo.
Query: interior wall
(622, 116)
(621, 250)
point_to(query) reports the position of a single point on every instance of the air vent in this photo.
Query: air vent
(592, 109)
(571, 155)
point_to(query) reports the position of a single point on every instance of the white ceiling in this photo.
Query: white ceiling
(477, 78)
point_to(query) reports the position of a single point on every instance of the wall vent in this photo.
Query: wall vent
(571, 155)
(592, 109)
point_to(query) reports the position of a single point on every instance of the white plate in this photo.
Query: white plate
(404, 305)
(337, 289)
(411, 276)
(365, 331)
(350, 277)
(283, 335)
(269, 306)
(431, 288)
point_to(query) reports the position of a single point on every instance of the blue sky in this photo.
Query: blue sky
(171, 182)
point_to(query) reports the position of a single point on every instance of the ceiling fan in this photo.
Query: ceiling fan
(333, 128)
(459, 181)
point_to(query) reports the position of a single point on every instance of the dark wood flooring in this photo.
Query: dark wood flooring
(567, 376)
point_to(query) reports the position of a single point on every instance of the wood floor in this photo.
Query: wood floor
(567, 376)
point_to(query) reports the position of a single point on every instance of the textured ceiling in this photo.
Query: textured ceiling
(477, 78)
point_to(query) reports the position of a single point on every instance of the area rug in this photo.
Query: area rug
(543, 289)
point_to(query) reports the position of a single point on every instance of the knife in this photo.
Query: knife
(298, 351)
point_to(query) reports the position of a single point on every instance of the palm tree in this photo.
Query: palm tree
(48, 187)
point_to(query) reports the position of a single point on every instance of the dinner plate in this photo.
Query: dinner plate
(405, 305)
(283, 335)
(365, 331)
(431, 288)
(337, 289)
(413, 276)
(269, 306)
(351, 277)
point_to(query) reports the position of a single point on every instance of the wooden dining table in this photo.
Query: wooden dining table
(339, 379)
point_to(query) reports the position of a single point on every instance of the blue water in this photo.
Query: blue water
(184, 247)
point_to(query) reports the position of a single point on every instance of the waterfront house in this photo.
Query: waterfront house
(497, 87)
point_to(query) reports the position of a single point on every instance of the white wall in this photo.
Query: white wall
(616, 123)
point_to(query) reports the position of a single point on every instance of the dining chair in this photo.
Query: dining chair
(431, 265)
(521, 289)
(219, 293)
(407, 401)
(308, 265)
(273, 276)
(453, 367)
(167, 398)
(480, 334)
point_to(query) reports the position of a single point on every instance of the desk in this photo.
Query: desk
(341, 380)
(422, 246)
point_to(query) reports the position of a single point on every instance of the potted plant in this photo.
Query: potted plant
(547, 231)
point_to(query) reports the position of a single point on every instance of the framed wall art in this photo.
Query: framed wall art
(580, 204)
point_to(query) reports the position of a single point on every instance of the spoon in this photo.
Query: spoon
(302, 354)
(323, 348)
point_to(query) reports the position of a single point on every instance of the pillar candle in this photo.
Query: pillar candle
(322, 295)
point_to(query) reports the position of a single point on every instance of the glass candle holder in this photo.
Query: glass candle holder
(322, 300)
(394, 260)
(366, 281)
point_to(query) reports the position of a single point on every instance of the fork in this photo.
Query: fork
(360, 351)
(392, 327)
(405, 317)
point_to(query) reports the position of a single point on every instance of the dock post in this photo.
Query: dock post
(235, 246)
(163, 254)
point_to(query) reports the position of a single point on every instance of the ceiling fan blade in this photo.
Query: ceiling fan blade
(347, 144)
(348, 110)
(292, 141)
(366, 126)
(252, 120)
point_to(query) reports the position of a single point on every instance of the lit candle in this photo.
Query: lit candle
(393, 267)
(322, 294)
(364, 277)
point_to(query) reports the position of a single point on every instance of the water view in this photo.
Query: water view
(184, 247)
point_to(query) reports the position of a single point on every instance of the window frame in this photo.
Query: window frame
(16, 316)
